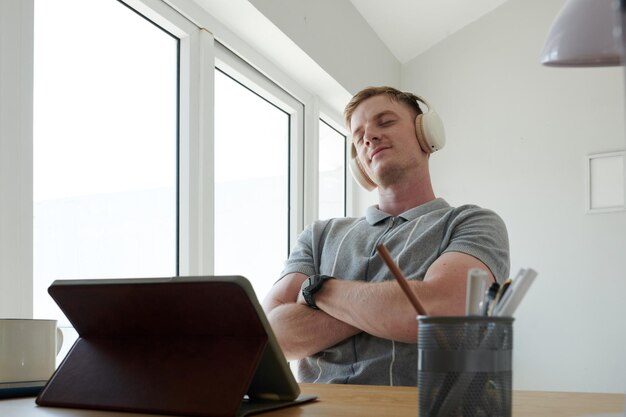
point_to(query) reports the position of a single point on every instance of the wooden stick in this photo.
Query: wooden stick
(384, 253)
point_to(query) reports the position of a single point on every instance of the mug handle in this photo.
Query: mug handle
(59, 340)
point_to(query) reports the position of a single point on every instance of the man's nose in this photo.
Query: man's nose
(370, 136)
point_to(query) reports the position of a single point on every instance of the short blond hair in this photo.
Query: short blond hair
(409, 99)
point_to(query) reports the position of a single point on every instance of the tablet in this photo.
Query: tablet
(183, 345)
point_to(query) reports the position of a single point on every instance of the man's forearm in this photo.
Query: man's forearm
(383, 310)
(302, 331)
(380, 309)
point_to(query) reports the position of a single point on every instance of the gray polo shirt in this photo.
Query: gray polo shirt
(345, 248)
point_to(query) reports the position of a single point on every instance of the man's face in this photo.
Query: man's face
(383, 133)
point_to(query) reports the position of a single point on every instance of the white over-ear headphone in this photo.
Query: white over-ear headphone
(430, 135)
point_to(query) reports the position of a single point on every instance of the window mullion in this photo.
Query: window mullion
(16, 158)
(196, 164)
(310, 190)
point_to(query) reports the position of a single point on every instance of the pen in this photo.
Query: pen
(397, 273)
(507, 306)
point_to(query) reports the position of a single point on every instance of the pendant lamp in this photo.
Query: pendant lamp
(585, 33)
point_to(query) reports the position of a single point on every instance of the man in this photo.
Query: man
(355, 324)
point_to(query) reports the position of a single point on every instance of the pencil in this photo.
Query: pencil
(384, 253)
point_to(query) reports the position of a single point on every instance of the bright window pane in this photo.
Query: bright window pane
(251, 184)
(332, 168)
(105, 145)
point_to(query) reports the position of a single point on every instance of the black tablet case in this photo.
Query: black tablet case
(181, 346)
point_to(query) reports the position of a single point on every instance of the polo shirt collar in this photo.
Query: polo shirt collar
(373, 215)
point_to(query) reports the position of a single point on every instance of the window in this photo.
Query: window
(332, 172)
(255, 133)
(105, 145)
(251, 184)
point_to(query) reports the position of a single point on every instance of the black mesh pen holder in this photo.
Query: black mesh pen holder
(465, 366)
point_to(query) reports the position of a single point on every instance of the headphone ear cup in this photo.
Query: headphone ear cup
(358, 172)
(429, 130)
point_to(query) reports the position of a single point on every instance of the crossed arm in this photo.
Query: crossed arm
(350, 307)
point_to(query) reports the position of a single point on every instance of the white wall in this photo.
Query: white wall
(337, 37)
(518, 135)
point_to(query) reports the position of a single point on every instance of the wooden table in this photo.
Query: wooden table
(371, 401)
(366, 401)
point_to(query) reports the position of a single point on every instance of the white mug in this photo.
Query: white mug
(28, 349)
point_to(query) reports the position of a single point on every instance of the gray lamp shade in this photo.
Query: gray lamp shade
(586, 33)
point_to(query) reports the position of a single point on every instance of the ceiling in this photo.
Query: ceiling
(410, 27)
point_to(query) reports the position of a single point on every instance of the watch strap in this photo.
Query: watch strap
(311, 286)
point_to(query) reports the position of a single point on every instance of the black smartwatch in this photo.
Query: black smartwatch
(310, 286)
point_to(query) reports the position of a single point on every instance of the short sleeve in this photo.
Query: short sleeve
(482, 234)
